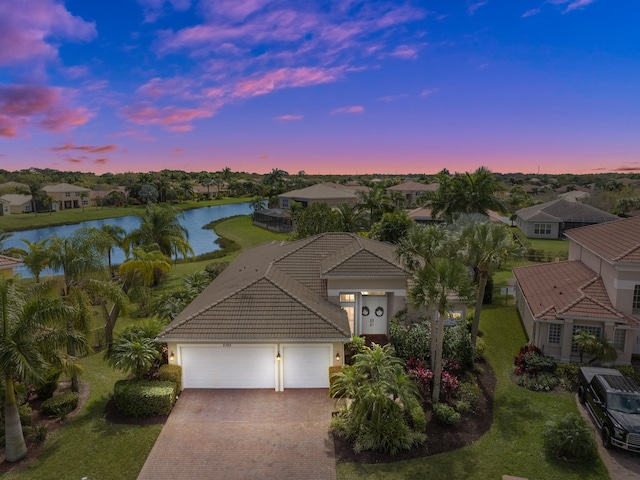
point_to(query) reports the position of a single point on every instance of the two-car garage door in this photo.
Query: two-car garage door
(255, 366)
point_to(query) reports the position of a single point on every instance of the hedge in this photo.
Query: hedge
(143, 398)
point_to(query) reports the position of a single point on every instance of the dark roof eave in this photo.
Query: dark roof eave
(251, 340)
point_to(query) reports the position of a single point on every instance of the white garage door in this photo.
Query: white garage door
(306, 366)
(237, 366)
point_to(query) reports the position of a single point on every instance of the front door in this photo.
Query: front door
(373, 315)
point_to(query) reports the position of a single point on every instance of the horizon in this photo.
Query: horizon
(330, 87)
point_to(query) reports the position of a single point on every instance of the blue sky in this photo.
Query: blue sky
(320, 86)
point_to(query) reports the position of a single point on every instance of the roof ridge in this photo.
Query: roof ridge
(627, 252)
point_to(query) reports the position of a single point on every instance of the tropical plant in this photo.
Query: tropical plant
(569, 438)
(585, 342)
(109, 237)
(35, 258)
(351, 218)
(383, 397)
(464, 193)
(376, 201)
(316, 218)
(33, 335)
(486, 247)
(133, 352)
(392, 227)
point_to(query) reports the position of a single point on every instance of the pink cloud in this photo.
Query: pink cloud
(180, 128)
(391, 98)
(350, 109)
(22, 105)
(153, 9)
(405, 52)
(233, 9)
(85, 148)
(285, 78)
(26, 29)
(101, 161)
(288, 118)
(159, 87)
(146, 114)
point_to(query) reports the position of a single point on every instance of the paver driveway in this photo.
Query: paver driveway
(245, 434)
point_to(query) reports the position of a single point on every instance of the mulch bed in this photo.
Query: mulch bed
(440, 438)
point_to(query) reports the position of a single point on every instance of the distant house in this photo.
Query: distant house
(552, 219)
(274, 219)
(597, 290)
(332, 194)
(68, 196)
(7, 264)
(102, 196)
(422, 215)
(412, 190)
(13, 203)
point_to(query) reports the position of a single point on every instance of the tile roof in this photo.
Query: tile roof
(565, 211)
(567, 290)
(320, 191)
(16, 198)
(411, 186)
(64, 187)
(277, 292)
(8, 262)
(617, 241)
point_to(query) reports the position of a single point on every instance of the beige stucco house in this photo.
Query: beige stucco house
(278, 317)
(597, 290)
(552, 219)
(411, 191)
(332, 194)
(14, 203)
(68, 196)
(7, 264)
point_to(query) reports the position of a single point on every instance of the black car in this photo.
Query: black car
(613, 401)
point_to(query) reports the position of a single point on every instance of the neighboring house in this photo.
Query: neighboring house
(552, 219)
(7, 264)
(274, 219)
(412, 190)
(330, 193)
(278, 317)
(597, 290)
(5, 207)
(68, 196)
(422, 215)
(13, 203)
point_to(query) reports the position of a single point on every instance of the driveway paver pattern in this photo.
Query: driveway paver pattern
(245, 434)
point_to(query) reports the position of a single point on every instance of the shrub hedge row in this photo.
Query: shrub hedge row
(143, 398)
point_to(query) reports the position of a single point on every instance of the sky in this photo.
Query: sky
(320, 86)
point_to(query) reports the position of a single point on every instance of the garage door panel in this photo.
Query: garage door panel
(306, 366)
(228, 367)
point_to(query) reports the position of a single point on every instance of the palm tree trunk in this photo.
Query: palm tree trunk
(71, 350)
(15, 446)
(111, 318)
(482, 285)
(433, 343)
(437, 369)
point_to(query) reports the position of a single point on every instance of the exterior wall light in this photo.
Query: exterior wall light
(338, 357)
(278, 357)
(172, 356)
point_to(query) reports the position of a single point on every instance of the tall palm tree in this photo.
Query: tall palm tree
(32, 338)
(376, 202)
(161, 227)
(351, 218)
(109, 237)
(486, 247)
(80, 260)
(464, 193)
(36, 258)
(436, 285)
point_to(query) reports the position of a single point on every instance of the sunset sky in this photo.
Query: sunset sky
(335, 86)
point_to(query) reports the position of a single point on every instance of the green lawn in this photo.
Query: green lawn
(513, 444)
(27, 221)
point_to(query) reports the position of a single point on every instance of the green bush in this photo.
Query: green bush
(446, 414)
(411, 342)
(354, 347)
(142, 398)
(332, 371)
(171, 373)
(544, 382)
(49, 384)
(567, 374)
(469, 392)
(481, 346)
(457, 345)
(629, 371)
(417, 419)
(462, 407)
(569, 439)
(60, 405)
(40, 433)
(26, 417)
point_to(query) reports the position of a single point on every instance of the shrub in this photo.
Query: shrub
(446, 414)
(567, 374)
(60, 405)
(142, 398)
(411, 342)
(171, 373)
(215, 269)
(469, 392)
(457, 345)
(49, 384)
(25, 412)
(481, 346)
(569, 439)
(543, 382)
(462, 406)
(40, 433)
(354, 347)
(417, 419)
(332, 371)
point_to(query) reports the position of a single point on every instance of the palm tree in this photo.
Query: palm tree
(376, 202)
(83, 196)
(486, 246)
(11, 251)
(36, 258)
(161, 227)
(108, 237)
(464, 193)
(585, 342)
(144, 267)
(351, 218)
(436, 285)
(32, 338)
(133, 352)
(206, 181)
(80, 260)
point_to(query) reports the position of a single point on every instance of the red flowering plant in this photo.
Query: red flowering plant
(423, 375)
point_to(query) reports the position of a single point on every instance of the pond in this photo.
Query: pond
(201, 240)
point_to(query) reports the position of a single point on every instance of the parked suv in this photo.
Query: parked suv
(613, 401)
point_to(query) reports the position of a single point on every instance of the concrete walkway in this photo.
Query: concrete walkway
(245, 434)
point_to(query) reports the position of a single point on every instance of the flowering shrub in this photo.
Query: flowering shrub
(535, 370)
(449, 383)
(424, 375)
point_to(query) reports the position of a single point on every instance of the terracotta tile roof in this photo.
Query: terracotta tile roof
(8, 262)
(321, 191)
(617, 241)
(565, 211)
(567, 290)
(276, 292)
(411, 186)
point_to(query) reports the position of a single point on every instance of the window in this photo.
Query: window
(85, 202)
(285, 203)
(542, 228)
(636, 299)
(619, 337)
(555, 334)
(67, 194)
(77, 194)
(348, 304)
(595, 331)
